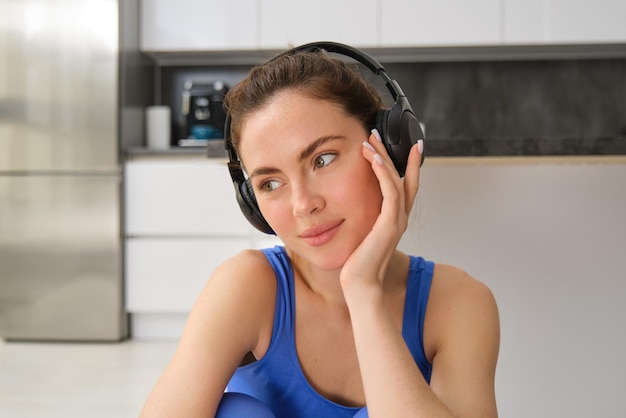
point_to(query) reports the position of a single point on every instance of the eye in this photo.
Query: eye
(323, 160)
(268, 185)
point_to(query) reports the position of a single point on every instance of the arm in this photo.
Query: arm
(229, 319)
(464, 332)
(462, 338)
(461, 335)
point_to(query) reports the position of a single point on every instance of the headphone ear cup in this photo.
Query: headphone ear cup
(243, 188)
(387, 124)
(402, 131)
(250, 208)
(381, 123)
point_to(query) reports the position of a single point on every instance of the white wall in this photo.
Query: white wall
(549, 239)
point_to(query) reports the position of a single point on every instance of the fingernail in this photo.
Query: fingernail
(377, 135)
(368, 146)
(420, 146)
(378, 159)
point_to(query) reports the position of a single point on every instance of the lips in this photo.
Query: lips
(320, 234)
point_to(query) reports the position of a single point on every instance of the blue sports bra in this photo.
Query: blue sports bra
(277, 379)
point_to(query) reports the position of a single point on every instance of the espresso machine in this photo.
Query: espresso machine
(203, 111)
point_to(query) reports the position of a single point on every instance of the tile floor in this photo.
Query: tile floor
(79, 380)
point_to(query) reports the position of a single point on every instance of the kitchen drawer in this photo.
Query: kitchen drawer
(181, 198)
(167, 275)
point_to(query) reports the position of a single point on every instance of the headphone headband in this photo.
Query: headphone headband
(347, 50)
(360, 56)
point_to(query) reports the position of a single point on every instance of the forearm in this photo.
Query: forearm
(394, 385)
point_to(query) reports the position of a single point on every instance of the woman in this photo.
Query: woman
(338, 322)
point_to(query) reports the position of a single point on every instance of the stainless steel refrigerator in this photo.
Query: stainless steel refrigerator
(60, 174)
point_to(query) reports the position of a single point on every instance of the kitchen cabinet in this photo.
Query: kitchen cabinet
(288, 22)
(252, 25)
(501, 22)
(182, 221)
(440, 23)
(564, 21)
(189, 25)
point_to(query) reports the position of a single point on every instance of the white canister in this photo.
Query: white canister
(158, 127)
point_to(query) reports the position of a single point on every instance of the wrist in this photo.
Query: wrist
(362, 294)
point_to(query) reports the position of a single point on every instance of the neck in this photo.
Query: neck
(325, 283)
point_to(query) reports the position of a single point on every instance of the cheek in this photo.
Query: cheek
(370, 186)
(371, 196)
(361, 193)
(276, 213)
(373, 200)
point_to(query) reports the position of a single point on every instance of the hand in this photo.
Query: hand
(368, 263)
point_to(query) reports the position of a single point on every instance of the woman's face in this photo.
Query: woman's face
(312, 184)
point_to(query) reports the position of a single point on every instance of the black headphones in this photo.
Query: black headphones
(398, 128)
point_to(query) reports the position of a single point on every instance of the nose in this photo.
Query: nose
(305, 199)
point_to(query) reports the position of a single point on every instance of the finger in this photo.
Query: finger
(412, 174)
(375, 158)
(376, 141)
(391, 186)
(372, 252)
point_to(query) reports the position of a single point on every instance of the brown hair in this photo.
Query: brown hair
(314, 73)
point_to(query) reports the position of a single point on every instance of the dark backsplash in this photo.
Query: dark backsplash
(542, 107)
(517, 99)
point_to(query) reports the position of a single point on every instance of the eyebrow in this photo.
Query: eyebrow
(310, 149)
(304, 154)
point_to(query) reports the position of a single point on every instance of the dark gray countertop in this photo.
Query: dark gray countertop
(456, 147)
(406, 54)
(214, 149)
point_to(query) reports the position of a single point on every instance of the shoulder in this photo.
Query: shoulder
(241, 292)
(240, 267)
(454, 284)
(460, 307)
(247, 274)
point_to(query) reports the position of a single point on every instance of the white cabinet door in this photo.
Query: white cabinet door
(167, 275)
(286, 23)
(564, 21)
(523, 21)
(181, 198)
(187, 25)
(440, 23)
